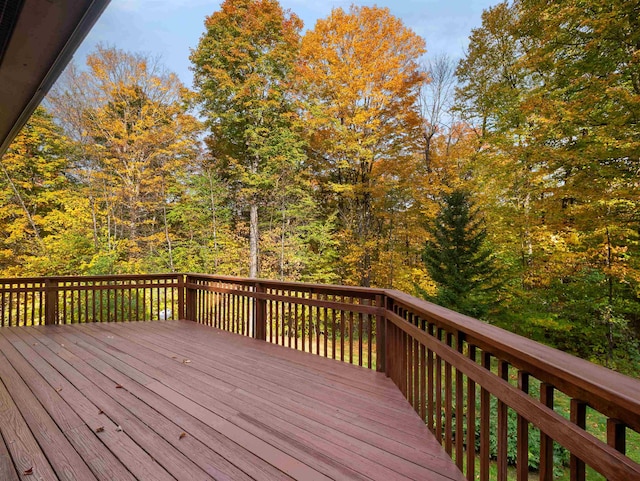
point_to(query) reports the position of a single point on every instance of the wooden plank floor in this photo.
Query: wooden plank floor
(177, 400)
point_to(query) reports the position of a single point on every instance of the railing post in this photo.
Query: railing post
(190, 300)
(388, 350)
(260, 315)
(381, 327)
(50, 301)
(181, 305)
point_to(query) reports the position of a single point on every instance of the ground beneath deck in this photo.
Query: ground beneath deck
(177, 400)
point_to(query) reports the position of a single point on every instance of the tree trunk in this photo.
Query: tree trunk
(254, 237)
(214, 221)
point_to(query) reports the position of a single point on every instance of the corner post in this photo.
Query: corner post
(381, 328)
(181, 305)
(50, 302)
(190, 300)
(260, 315)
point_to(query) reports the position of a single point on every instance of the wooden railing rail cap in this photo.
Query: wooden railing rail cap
(522, 352)
(369, 291)
(107, 277)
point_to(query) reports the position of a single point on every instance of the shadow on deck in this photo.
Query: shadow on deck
(178, 400)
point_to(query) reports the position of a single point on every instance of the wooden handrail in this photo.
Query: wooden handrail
(609, 392)
(448, 366)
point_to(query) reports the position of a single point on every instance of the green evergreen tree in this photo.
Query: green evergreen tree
(458, 259)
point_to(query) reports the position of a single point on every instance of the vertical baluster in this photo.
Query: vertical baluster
(200, 304)
(289, 320)
(405, 365)
(174, 305)
(303, 323)
(281, 318)
(430, 384)
(225, 314)
(334, 322)
(270, 323)
(168, 305)
(232, 313)
(459, 407)
(360, 337)
(415, 367)
(350, 336)
(317, 328)
(2, 301)
(218, 297)
(471, 419)
(579, 418)
(342, 333)
(16, 295)
(159, 295)
(144, 302)
(448, 395)
(423, 374)
(485, 406)
(326, 332)
(616, 435)
(29, 303)
(245, 312)
(10, 294)
(41, 304)
(86, 301)
(235, 318)
(64, 302)
(370, 341)
(503, 372)
(522, 462)
(124, 301)
(227, 309)
(213, 305)
(408, 361)
(130, 294)
(116, 297)
(151, 300)
(295, 319)
(438, 407)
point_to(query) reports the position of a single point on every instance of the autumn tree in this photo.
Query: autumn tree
(44, 217)
(242, 67)
(359, 73)
(552, 88)
(589, 106)
(130, 119)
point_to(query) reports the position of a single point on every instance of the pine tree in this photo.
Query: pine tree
(458, 259)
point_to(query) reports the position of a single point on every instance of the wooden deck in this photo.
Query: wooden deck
(178, 400)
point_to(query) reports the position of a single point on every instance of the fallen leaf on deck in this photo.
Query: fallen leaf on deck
(174, 357)
(35, 343)
(101, 412)
(182, 435)
(119, 429)
(28, 472)
(118, 386)
(58, 389)
(186, 361)
(100, 429)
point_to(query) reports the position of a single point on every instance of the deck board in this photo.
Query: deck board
(178, 400)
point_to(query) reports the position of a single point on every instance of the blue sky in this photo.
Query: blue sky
(170, 28)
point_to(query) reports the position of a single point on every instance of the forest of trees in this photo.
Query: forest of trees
(505, 185)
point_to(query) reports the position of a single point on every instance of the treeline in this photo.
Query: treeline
(506, 187)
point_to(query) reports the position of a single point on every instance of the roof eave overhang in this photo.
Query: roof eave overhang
(43, 41)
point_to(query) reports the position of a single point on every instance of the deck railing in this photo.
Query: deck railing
(68, 300)
(467, 380)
